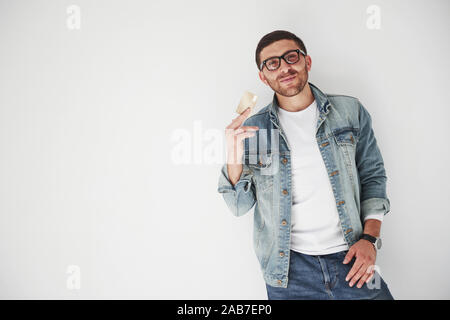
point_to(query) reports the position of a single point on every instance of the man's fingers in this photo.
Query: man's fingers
(246, 128)
(243, 135)
(348, 256)
(371, 272)
(370, 276)
(237, 122)
(230, 133)
(234, 137)
(358, 275)
(245, 112)
(364, 278)
(356, 266)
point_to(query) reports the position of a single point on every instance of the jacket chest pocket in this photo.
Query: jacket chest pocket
(346, 136)
(262, 168)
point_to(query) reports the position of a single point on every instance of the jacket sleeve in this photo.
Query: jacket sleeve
(239, 198)
(371, 169)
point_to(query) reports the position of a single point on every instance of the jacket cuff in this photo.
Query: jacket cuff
(374, 206)
(225, 184)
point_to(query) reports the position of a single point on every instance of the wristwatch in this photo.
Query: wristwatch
(376, 241)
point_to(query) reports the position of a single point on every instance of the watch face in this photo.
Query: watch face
(378, 243)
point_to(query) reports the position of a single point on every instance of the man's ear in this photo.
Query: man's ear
(263, 78)
(308, 63)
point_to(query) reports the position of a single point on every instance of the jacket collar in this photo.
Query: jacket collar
(323, 105)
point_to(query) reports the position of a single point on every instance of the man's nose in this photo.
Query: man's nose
(284, 67)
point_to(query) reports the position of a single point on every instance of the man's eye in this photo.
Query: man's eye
(291, 57)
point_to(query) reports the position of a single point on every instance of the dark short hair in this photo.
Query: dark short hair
(275, 36)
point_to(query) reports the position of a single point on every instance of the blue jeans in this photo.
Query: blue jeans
(323, 277)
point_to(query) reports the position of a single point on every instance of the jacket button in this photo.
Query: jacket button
(284, 160)
(281, 254)
(284, 222)
(285, 191)
(279, 281)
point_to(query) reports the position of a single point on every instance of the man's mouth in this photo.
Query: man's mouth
(288, 79)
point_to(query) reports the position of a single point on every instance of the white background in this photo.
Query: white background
(87, 118)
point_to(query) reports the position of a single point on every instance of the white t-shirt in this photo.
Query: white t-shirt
(316, 228)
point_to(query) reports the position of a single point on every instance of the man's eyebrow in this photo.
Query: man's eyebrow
(279, 55)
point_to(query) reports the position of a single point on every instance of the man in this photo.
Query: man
(319, 183)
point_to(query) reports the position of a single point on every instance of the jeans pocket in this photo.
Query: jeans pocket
(343, 252)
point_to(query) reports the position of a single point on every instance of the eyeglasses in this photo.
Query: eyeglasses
(273, 63)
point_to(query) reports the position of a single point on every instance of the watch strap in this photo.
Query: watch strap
(368, 237)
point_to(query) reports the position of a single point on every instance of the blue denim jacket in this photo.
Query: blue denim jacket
(351, 156)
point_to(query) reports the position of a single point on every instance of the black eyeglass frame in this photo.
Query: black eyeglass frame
(261, 66)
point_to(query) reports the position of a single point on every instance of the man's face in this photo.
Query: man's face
(299, 69)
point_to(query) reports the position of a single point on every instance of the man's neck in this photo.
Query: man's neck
(298, 102)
